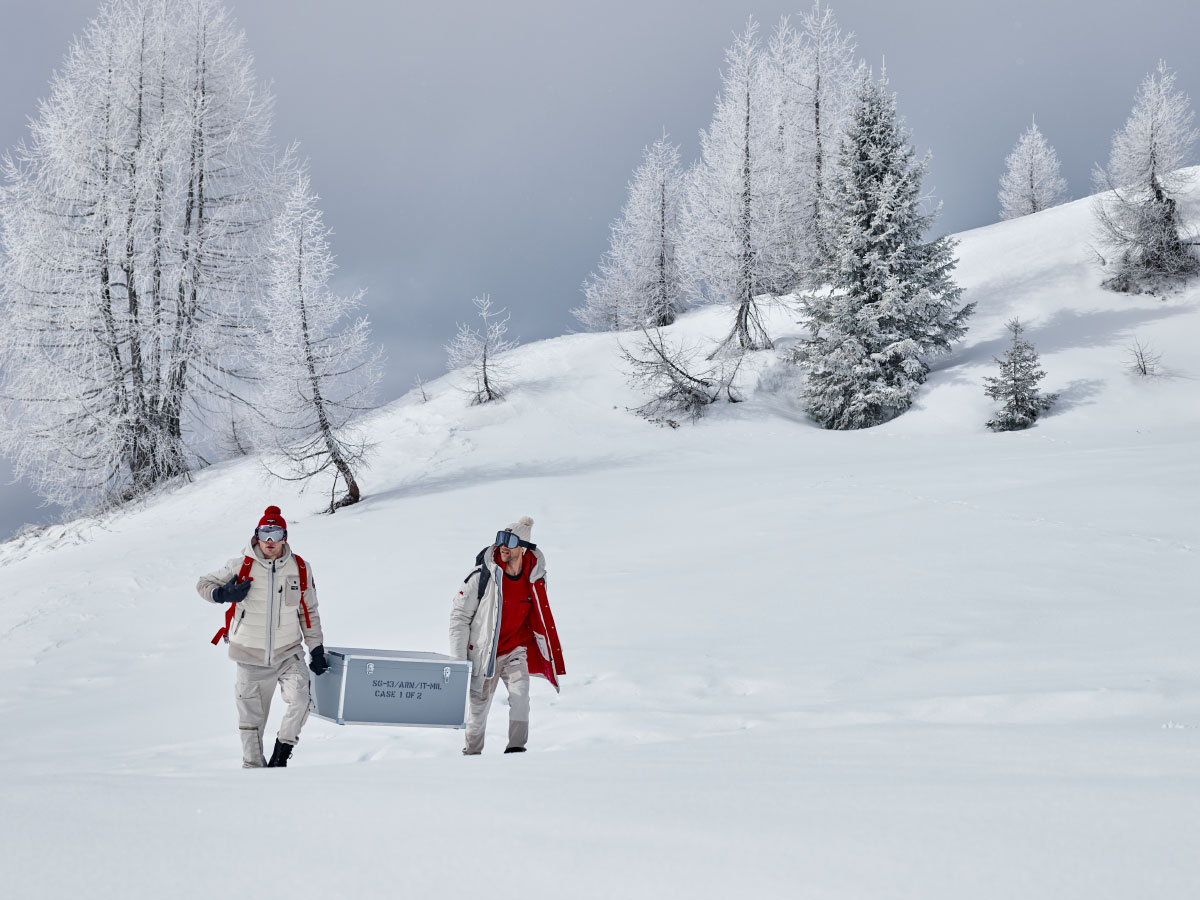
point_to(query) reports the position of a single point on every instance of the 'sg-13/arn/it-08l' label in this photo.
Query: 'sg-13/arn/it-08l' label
(403, 690)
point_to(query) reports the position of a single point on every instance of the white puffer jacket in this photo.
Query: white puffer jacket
(269, 624)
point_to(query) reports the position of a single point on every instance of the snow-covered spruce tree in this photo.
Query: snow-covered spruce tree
(734, 243)
(1136, 209)
(1016, 385)
(639, 281)
(314, 362)
(132, 223)
(478, 352)
(1032, 180)
(891, 301)
(814, 67)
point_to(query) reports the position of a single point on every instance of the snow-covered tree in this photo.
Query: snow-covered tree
(734, 241)
(1032, 180)
(891, 302)
(478, 352)
(132, 223)
(1016, 387)
(1136, 210)
(679, 383)
(1144, 360)
(313, 360)
(639, 282)
(814, 68)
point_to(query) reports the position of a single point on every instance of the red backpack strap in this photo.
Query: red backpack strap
(303, 567)
(243, 575)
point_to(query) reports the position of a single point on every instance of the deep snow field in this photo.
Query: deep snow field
(922, 661)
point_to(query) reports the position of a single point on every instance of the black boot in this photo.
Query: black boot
(280, 757)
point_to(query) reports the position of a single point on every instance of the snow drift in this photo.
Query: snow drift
(922, 660)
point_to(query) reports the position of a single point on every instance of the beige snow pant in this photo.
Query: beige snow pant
(513, 668)
(255, 687)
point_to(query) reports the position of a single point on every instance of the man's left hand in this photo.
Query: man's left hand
(318, 663)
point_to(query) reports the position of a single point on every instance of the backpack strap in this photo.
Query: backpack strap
(303, 567)
(243, 575)
(485, 573)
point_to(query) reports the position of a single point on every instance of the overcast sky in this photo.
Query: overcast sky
(479, 146)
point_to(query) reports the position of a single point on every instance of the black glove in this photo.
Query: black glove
(231, 591)
(318, 664)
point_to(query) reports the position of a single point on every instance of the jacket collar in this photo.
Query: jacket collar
(538, 569)
(254, 551)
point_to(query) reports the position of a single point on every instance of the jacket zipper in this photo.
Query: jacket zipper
(271, 617)
(498, 584)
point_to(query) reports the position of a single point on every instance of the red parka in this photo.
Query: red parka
(476, 614)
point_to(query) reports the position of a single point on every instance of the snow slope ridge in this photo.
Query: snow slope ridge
(922, 660)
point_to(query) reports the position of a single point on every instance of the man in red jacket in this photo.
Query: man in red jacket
(501, 621)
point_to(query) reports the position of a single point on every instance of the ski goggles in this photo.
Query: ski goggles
(511, 541)
(271, 533)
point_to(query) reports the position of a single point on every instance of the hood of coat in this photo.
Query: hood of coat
(539, 560)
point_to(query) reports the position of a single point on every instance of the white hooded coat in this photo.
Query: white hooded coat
(269, 624)
(474, 620)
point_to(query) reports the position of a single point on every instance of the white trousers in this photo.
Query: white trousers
(513, 670)
(255, 687)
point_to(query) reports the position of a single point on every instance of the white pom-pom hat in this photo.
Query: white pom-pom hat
(523, 529)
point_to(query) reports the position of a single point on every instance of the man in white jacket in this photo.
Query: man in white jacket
(274, 608)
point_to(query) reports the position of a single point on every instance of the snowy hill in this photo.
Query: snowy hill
(922, 660)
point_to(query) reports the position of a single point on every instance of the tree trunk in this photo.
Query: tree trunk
(746, 287)
(331, 447)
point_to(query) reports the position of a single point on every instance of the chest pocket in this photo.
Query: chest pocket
(291, 591)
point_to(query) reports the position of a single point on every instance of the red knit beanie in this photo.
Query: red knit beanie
(273, 516)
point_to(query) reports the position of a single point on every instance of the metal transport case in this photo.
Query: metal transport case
(392, 687)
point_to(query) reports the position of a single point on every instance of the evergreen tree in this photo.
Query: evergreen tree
(1016, 386)
(890, 301)
(639, 281)
(314, 362)
(1032, 180)
(1136, 210)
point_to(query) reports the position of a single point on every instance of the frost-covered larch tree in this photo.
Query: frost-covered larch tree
(1016, 387)
(734, 243)
(891, 301)
(1136, 211)
(1032, 180)
(639, 281)
(132, 222)
(477, 352)
(678, 383)
(313, 359)
(814, 67)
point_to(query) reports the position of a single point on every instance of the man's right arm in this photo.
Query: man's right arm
(209, 583)
(462, 612)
